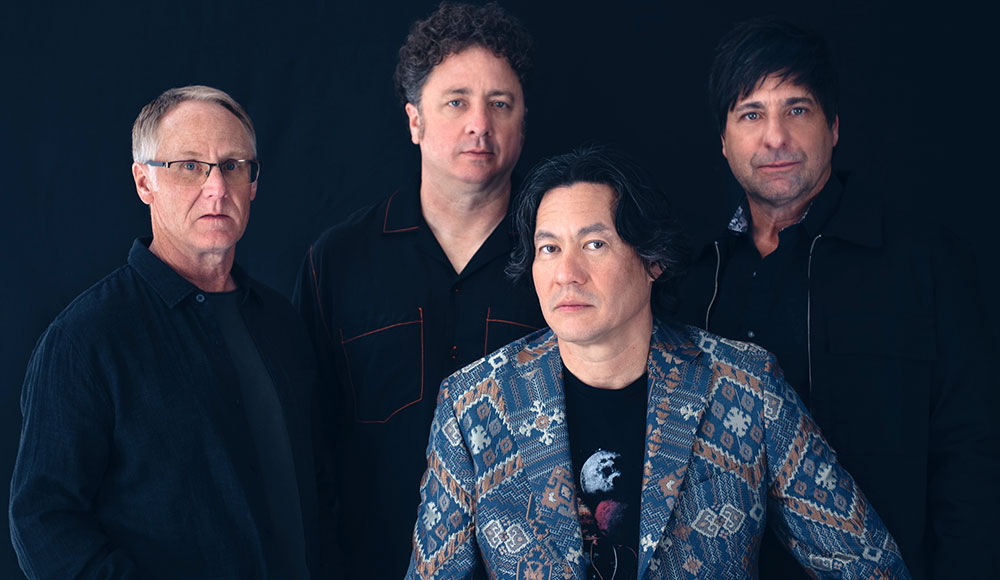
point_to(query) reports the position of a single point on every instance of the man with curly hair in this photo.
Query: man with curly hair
(406, 292)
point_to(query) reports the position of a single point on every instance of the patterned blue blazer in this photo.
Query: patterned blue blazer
(729, 449)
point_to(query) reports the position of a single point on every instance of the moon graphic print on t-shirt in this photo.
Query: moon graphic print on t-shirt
(607, 441)
(597, 477)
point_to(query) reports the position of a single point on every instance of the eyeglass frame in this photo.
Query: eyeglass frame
(167, 164)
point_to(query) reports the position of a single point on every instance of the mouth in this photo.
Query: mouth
(778, 166)
(214, 217)
(571, 306)
(478, 152)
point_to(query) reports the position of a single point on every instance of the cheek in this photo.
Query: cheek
(537, 278)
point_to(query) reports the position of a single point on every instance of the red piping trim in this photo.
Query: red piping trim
(385, 221)
(346, 340)
(350, 376)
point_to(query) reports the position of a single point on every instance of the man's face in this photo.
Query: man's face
(592, 286)
(192, 221)
(470, 123)
(778, 143)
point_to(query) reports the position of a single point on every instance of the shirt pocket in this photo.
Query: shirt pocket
(385, 368)
(504, 327)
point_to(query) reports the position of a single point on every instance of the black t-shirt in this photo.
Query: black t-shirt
(269, 435)
(607, 430)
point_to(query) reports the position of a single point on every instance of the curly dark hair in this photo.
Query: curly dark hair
(451, 29)
(642, 214)
(760, 47)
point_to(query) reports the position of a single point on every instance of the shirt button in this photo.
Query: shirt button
(754, 275)
(751, 334)
(199, 297)
(454, 352)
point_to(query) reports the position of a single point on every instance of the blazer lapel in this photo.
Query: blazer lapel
(678, 394)
(538, 420)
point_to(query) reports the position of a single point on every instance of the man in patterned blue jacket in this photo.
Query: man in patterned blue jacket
(616, 445)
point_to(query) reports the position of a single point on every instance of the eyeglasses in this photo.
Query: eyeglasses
(192, 172)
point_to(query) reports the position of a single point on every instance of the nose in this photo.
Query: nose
(215, 184)
(570, 268)
(775, 132)
(479, 121)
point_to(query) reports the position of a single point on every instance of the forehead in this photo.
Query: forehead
(474, 67)
(775, 87)
(578, 205)
(202, 126)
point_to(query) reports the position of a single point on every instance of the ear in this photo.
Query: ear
(653, 272)
(143, 182)
(836, 129)
(413, 113)
(723, 138)
(253, 190)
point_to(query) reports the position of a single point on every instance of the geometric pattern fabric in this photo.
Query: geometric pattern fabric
(729, 450)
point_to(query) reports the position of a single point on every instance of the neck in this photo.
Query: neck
(609, 366)
(210, 272)
(768, 220)
(462, 220)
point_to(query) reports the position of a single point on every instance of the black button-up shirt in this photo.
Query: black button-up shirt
(764, 300)
(136, 456)
(392, 319)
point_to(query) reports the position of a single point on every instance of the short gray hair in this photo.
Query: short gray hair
(145, 130)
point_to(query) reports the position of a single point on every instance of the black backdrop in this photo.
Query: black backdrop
(316, 78)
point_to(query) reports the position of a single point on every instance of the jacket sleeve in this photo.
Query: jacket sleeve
(963, 440)
(444, 536)
(64, 452)
(310, 300)
(814, 506)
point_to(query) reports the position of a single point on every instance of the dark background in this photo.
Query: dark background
(316, 77)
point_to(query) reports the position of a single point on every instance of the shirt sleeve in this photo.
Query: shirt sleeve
(66, 442)
(814, 506)
(444, 536)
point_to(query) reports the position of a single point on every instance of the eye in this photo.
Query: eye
(455, 103)
(594, 245)
(796, 111)
(751, 116)
(501, 105)
(190, 166)
(547, 249)
(231, 165)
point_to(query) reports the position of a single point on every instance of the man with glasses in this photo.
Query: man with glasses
(407, 291)
(166, 429)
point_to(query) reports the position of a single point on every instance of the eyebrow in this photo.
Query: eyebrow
(195, 156)
(490, 95)
(585, 230)
(790, 101)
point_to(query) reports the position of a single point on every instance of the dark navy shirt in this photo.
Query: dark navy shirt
(391, 319)
(136, 457)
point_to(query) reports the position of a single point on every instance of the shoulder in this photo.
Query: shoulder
(116, 298)
(720, 349)
(505, 364)
(365, 221)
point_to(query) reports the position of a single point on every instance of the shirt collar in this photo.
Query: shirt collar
(168, 284)
(813, 220)
(402, 212)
